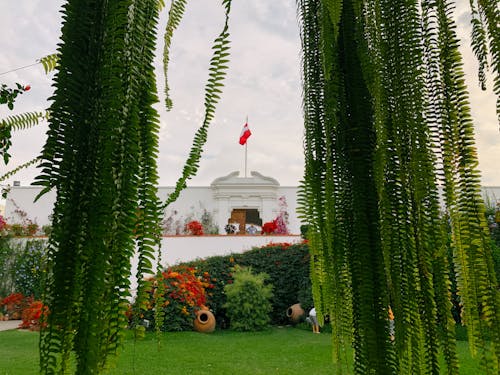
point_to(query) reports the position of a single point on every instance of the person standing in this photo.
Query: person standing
(314, 320)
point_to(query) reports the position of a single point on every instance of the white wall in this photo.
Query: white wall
(191, 201)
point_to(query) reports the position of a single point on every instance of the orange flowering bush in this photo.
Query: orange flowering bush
(17, 306)
(182, 294)
(13, 305)
(32, 315)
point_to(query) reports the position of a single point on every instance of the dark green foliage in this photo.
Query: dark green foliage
(248, 300)
(30, 268)
(386, 117)
(287, 267)
(304, 228)
(8, 96)
(23, 267)
(100, 156)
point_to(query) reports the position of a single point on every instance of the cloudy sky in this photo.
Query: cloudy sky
(263, 82)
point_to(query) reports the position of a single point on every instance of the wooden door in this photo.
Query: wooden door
(239, 216)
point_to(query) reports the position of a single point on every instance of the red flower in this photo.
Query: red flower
(194, 228)
(27, 88)
(269, 227)
(32, 314)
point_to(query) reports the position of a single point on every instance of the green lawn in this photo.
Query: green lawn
(277, 351)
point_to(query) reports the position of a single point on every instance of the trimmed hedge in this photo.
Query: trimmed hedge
(288, 269)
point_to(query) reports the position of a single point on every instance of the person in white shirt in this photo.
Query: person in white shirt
(314, 320)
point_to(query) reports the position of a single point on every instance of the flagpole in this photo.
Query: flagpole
(246, 144)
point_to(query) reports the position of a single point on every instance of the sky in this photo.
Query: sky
(263, 83)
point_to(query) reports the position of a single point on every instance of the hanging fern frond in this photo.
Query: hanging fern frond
(100, 156)
(49, 62)
(175, 14)
(17, 122)
(462, 192)
(213, 90)
(24, 120)
(479, 44)
(374, 145)
(486, 38)
(18, 169)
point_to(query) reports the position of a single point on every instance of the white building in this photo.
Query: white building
(242, 200)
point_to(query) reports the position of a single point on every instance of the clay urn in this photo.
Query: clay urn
(204, 321)
(295, 313)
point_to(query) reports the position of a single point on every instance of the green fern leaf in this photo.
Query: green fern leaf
(49, 62)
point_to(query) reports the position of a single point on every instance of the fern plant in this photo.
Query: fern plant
(386, 120)
(100, 155)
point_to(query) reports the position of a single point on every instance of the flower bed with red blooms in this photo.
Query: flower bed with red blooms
(17, 306)
(278, 244)
(184, 293)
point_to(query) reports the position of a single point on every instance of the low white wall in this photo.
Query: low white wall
(177, 249)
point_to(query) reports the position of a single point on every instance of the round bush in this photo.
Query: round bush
(248, 301)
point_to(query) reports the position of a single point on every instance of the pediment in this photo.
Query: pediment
(233, 180)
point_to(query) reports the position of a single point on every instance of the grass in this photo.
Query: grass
(276, 351)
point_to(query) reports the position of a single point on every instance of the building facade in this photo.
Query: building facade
(241, 201)
(230, 199)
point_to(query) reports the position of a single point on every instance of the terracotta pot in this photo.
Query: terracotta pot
(295, 313)
(204, 321)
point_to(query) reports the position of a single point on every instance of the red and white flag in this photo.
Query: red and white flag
(245, 134)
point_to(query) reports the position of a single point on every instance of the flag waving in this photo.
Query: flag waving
(245, 134)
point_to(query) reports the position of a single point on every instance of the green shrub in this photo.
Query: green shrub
(6, 260)
(248, 300)
(30, 268)
(23, 267)
(288, 269)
